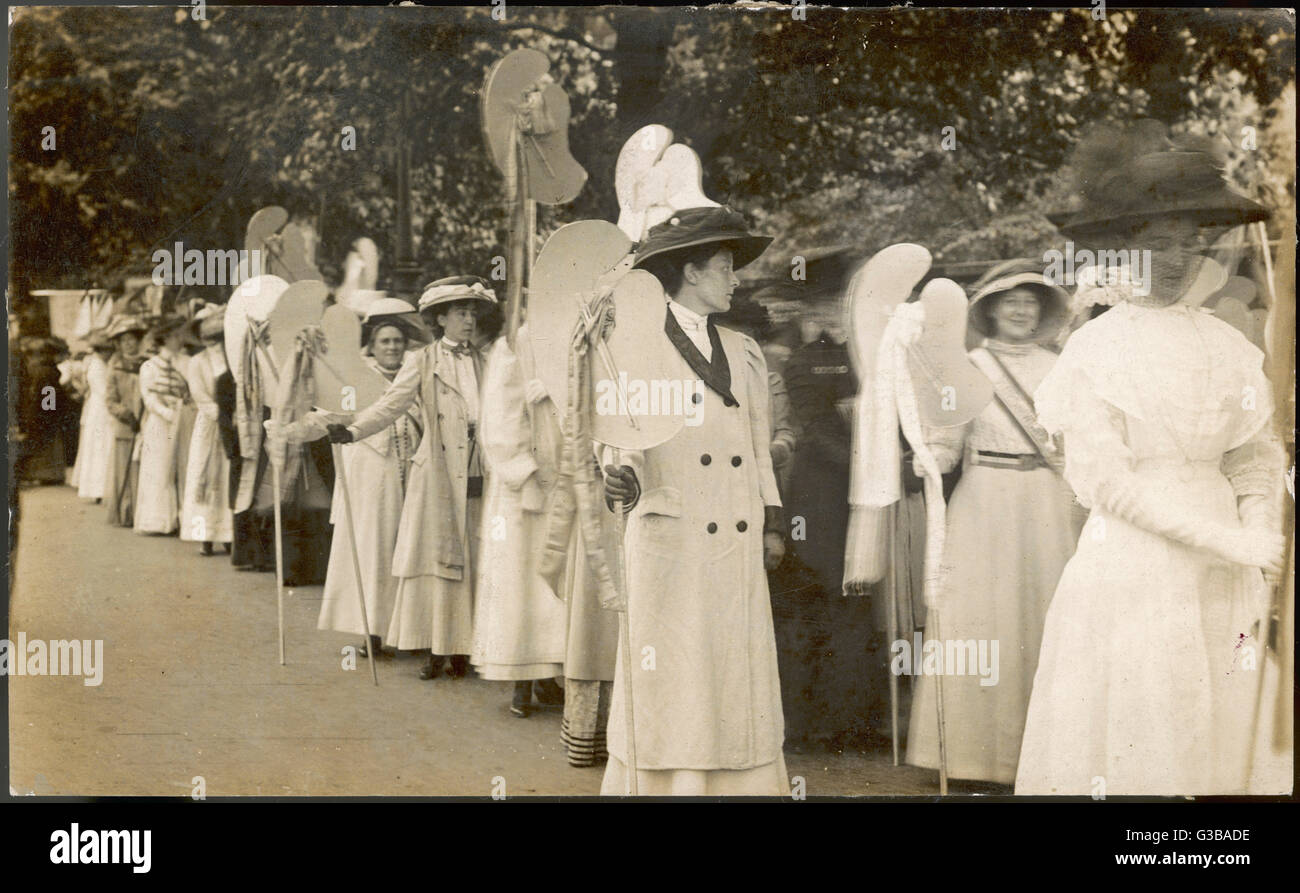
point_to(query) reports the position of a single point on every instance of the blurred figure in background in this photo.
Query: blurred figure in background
(205, 510)
(125, 406)
(91, 471)
(168, 419)
(833, 666)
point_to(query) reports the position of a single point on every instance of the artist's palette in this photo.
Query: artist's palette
(645, 398)
(655, 179)
(254, 300)
(569, 270)
(631, 172)
(514, 89)
(293, 253)
(262, 226)
(950, 390)
(883, 282)
(345, 382)
(300, 306)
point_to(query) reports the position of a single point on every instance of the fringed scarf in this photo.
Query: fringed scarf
(577, 495)
(248, 410)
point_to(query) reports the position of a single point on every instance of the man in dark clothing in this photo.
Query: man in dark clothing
(832, 663)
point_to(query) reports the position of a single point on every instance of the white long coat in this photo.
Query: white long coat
(519, 621)
(435, 550)
(96, 432)
(166, 420)
(704, 670)
(206, 515)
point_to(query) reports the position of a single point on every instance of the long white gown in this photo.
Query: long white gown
(157, 508)
(1144, 683)
(519, 621)
(206, 515)
(96, 432)
(378, 468)
(1010, 533)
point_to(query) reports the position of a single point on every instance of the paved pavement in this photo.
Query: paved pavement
(192, 687)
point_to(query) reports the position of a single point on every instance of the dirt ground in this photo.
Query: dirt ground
(192, 687)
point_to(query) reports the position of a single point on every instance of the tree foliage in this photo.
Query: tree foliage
(827, 130)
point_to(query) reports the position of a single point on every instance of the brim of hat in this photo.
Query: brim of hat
(1220, 206)
(1054, 309)
(215, 329)
(447, 299)
(408, 322)
(745, 250)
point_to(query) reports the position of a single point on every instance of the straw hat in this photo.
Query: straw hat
(1053, 300)
(456, 288)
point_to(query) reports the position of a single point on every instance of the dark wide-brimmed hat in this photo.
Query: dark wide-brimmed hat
(1126, 177)
(164, 325)
(1053, 300)
(692, 227)
(456, 288)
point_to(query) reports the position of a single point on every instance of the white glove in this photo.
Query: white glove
(1253, 547)
(535, 391)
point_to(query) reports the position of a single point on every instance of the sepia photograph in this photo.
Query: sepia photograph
(753, 400)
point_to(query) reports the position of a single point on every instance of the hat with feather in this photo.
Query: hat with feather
(1127, 177)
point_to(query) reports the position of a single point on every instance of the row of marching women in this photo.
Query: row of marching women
(1107, 548)
(451, 473)
(156, 447)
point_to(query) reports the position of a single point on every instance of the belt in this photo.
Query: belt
(1012, 461)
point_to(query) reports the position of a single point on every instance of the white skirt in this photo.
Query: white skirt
(768, 780)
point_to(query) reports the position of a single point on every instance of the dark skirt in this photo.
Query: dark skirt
(119, 486)
(831, 661)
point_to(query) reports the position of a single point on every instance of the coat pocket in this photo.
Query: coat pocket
(665, 501)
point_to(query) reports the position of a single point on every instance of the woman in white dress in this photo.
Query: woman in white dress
(206, 517)
(519, 621)
(166, 397)
(1144, 686)
(378, 468)
(1010, 533)
(96, 441)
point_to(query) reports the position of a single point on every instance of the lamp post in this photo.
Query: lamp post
(407, 273)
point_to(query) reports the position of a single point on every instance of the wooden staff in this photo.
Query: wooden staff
(936, 523)
(341, 469)
(279, 524)
(517, 188)
(625, 642)
(891, 584)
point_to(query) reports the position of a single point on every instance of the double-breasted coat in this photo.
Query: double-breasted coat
(438, 531)
(704, 669)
